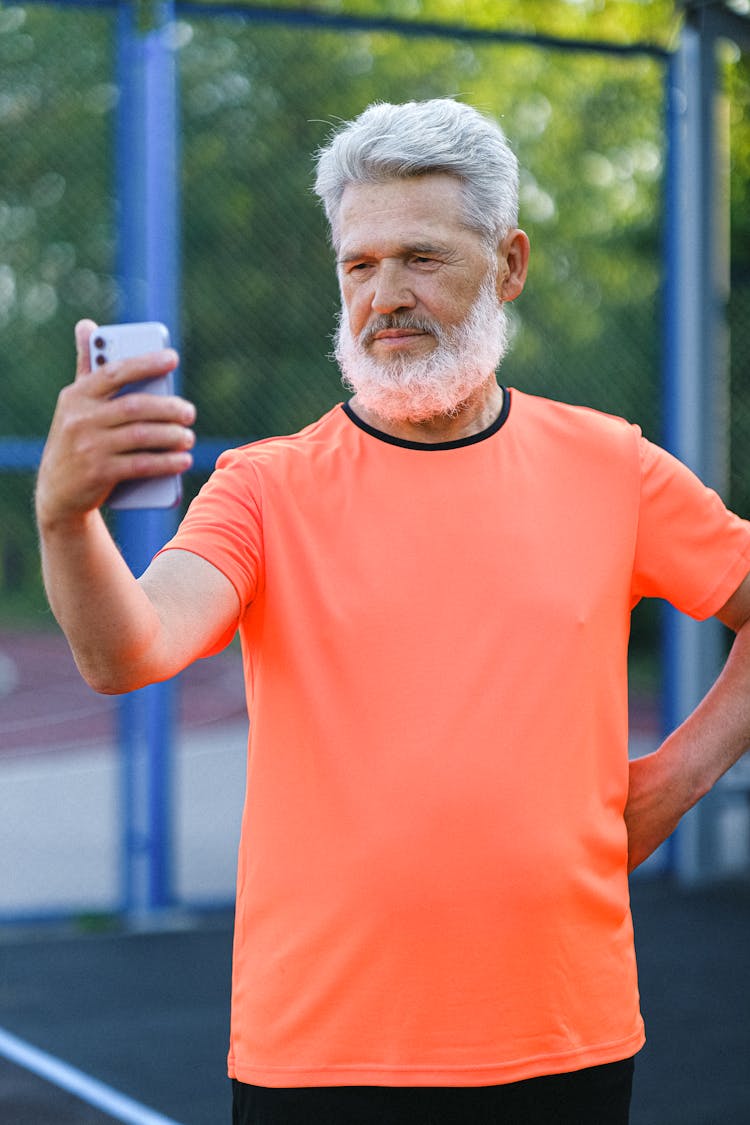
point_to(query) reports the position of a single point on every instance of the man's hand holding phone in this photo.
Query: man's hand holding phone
(117, 422)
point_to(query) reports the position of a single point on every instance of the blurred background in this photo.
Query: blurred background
(117, 812)
(582, 88)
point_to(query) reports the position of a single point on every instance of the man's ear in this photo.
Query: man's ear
(513, 264)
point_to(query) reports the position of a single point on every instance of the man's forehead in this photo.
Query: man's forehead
(425, 211)
(417, 243)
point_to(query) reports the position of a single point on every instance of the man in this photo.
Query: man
(433, 585)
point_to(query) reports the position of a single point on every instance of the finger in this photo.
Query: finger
(118, 374)
(134, 466)
(145, 437)
(83, 331)
(139, 407)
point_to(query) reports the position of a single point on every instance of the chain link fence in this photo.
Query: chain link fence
(56, 238)
(737, 82)
(259, 290)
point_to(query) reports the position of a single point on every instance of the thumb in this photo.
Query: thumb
(83, 331)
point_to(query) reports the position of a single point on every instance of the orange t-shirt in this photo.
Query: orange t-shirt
(432, 882)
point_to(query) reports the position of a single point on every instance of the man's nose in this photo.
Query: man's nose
(391, 291)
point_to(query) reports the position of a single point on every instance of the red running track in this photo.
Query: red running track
(45, 705)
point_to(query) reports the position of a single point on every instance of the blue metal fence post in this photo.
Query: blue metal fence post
(148, 268)
(695, 382)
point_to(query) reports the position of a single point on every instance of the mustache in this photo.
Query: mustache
(399, 320)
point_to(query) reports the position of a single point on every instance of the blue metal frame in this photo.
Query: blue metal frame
(670, 379)
(307, 17)
(695, 382)
(149, 272)
(20, 454)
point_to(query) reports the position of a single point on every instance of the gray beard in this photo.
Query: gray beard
(417, 388)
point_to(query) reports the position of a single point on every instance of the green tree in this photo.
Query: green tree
(589, 135)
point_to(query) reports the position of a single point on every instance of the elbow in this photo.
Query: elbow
(119, 667)
(112, 679)
(107, 687)
(108, 684)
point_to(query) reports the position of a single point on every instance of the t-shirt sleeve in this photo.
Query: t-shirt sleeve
(224, 525)
(690, 548)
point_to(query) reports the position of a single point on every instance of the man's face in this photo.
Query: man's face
(404, 246)
(422, 326)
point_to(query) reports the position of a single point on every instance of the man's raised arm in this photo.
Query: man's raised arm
(123, 632)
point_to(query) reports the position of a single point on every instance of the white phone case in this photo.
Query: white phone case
(122, 341)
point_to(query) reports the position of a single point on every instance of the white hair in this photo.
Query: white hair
(389, 142)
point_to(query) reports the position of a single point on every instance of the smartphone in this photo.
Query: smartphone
(111, 342)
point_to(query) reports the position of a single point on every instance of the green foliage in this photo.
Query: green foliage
(737, 82)
(618, 21)
(56, 241)
(588, 132)
(56, 236)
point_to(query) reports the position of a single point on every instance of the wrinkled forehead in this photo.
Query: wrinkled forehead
(420, 210)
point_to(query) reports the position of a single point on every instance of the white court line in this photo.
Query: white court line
(69, 1078)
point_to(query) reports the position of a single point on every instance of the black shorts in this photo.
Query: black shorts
(598, 1095)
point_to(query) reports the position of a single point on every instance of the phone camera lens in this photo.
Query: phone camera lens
(101, 360)
(99, 341)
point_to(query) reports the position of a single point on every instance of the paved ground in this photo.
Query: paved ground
(60, 812)
(147, 1013)
(45, 706)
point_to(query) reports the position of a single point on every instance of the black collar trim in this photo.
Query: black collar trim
(429, 446)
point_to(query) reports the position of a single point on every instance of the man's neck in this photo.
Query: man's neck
(475, 415)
